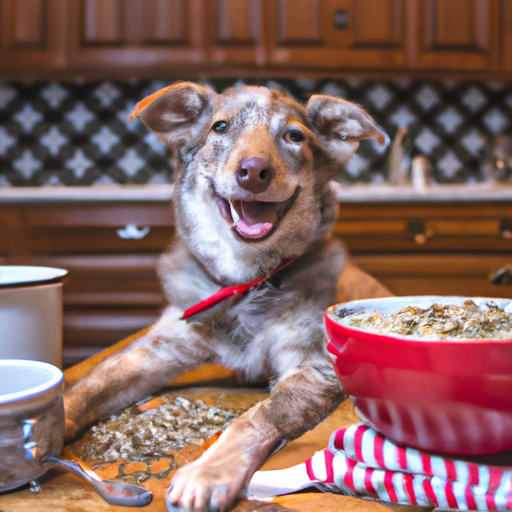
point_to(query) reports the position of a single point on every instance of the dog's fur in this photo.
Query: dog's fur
(276, 330)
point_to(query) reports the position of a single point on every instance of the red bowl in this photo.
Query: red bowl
(445, 396)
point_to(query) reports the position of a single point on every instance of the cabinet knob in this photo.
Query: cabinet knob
(132, 232)
(340, 19)
(501, 276)
(506, 228)
(419, 232)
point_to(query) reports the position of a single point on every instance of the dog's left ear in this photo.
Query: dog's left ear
(340, 125)
(176, 111)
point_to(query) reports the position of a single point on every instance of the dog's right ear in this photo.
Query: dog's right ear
(175, 111)
(340, 125)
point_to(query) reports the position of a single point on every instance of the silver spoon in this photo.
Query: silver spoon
(115, 493)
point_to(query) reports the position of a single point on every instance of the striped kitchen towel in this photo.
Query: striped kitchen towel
(361, 462)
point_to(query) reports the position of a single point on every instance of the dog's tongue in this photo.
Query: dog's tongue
(256, 218)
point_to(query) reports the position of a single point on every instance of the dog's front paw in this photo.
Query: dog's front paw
(206, 486)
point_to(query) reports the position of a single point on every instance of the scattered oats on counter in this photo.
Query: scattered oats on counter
(142, 436)
(445, 321)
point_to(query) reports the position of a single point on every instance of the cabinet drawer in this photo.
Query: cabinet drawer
(122, 280)
(463, 227)
(399, 244)
(433, 227)
(424, 233)
(449, 274)
(98, 215)
(369, 227)
(101, 327)
(89, 228)
(465, 286)
(106, 298)
(63, 239)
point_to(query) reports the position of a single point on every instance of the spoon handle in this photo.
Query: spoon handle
(115, 493)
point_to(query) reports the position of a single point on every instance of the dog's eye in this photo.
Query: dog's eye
(220, 127)
(294, 136)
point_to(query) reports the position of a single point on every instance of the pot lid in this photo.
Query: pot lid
(26, 275)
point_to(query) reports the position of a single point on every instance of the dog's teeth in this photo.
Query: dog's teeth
(234, 214)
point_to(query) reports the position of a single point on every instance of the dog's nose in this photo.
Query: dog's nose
(254, 174)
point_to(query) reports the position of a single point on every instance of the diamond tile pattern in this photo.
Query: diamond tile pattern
(78, 133)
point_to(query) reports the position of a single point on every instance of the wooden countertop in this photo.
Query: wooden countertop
(65, 492)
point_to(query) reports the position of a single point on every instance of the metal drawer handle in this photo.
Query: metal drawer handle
(132, 232)
(501, 276)
(419, 232)
(506, 228)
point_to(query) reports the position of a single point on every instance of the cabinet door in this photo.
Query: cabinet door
(337, 33)
(32, 33)
(455, 34)
(112, 289)
(136, 33)
(234, 31)
(506, 27)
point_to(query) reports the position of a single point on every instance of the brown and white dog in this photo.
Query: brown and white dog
(252, 191)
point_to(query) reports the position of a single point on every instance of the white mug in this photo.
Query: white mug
(31, 313)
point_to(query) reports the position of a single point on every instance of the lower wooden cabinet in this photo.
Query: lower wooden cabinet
(111, 249)
(432, 247)
(441, 274)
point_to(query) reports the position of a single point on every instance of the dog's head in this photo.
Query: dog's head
(253, 170)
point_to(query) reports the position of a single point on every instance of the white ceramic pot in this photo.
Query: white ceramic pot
(31, 313)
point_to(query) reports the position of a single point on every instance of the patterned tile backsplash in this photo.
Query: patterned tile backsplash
(78, 133)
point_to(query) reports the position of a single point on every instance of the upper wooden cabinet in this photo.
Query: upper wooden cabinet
(235, 32)
(506, 30)
(337, 33)
(33, 33)
(203, 37)
(461, 34)
(136, 33)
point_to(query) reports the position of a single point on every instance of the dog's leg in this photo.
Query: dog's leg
(169, 349)
(354, 284)
(297, 403)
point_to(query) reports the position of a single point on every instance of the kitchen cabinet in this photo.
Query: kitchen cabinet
(439, 248)
(110, 251)
(111, 247)
(33, 33)
(460, 35)
(337, 33)
(506, 30)
(136, 33)
(234, 32)
(147, 33)
(189, 38)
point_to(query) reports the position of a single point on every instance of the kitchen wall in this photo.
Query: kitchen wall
(78, 133)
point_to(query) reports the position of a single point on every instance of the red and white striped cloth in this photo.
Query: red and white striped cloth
(361, 462)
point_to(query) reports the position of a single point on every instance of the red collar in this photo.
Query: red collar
(230, 291)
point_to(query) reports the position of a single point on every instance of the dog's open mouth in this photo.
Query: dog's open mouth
(254, 219)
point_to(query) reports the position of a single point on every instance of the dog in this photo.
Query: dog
(252, 201)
